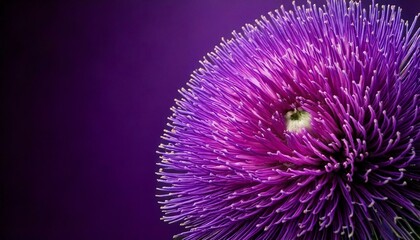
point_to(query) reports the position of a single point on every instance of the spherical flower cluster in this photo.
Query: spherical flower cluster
(306, 125)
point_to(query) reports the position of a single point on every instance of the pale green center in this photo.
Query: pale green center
(297, 120)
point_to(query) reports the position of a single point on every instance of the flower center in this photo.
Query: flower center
(297, 120)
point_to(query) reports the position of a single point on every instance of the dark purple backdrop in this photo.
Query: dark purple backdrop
(86, 89)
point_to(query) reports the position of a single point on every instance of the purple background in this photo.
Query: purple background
(86, 89)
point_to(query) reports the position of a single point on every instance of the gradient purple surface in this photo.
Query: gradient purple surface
(88, 86)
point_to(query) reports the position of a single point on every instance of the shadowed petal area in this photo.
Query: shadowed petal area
(304, 125)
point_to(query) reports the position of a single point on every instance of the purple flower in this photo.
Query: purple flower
(304, 126)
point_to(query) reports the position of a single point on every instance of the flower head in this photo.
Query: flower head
(304, 126)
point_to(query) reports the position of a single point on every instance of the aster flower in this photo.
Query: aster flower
(305, 125)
